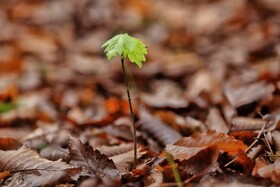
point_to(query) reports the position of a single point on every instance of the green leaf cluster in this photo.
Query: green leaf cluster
(126, 46)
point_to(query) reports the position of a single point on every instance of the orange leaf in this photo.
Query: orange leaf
(4, 174)
(224, 142)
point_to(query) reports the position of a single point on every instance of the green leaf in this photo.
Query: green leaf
(5, 107)
(126, 46)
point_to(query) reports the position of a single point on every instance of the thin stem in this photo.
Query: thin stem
(131, 114)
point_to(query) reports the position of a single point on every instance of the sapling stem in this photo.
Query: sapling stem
(132, 48)
(131, 114)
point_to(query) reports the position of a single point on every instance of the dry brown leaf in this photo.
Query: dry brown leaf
(271, 171)
(224, 142)
(183, 153)
(204, 82)
(276, 140)
(115, 150)
(245, 123)
(165, 94)
(37, 171)
(55, 153)
(154, 126)
(215, 121)
(203, 163)
(246, 94)
(92, 161)
(125, 160)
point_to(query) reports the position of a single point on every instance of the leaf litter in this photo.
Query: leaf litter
(210, 78)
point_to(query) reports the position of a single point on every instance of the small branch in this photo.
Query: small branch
(131, 114)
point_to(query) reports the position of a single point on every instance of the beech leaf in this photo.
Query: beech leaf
(224, 142)
(271, 171)
(92, 161)
(37, 171)
(162, 133)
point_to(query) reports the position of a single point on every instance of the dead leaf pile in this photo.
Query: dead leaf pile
(206, 102)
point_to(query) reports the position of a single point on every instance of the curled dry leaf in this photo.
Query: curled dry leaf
(37, 171)
(154, 126)
(224, 142)
(92, 161)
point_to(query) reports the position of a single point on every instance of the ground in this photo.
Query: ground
(206, 101)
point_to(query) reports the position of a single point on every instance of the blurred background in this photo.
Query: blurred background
(199, 51)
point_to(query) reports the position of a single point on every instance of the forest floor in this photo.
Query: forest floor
(206, 101)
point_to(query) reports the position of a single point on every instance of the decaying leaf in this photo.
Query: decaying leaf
(154, 126)
(55, 153)
(37, 171)
(92, 161)
(224, 142)
(165, 94)
(124, 161)
(248, 93)
(271, 171)
(215, 121)
(245, 123)
(276, 140)
(115, 150)
(204, 162)
(183, 153)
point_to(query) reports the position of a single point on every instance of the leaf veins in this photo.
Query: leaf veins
(92, 161)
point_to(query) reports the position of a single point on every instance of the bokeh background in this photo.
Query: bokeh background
(201, 52)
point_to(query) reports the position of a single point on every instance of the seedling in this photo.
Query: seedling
(127, 46)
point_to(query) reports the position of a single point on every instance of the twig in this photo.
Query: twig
(131, 114)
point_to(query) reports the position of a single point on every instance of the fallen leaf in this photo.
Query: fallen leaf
(154, 126)
(115, 150)
(55, 153)
(203, 163)
(37, 171)
(223, 141)
(245, 123)
(271, 171)
(246, 94)
(125, 160)
(92, 161)
(165, 94)
(215, 121)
